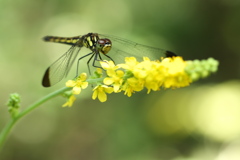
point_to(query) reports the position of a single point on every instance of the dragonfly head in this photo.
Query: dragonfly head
(104, 45)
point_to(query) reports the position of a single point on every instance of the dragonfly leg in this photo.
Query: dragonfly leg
(96, 59)
(100, 59)
(87, 62)
(109, 58)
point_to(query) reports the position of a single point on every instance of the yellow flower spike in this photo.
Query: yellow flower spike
(100, 92)
(78, 84)
(134, 76)
(70, 101)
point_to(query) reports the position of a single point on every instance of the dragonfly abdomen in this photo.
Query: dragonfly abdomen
(64, 40)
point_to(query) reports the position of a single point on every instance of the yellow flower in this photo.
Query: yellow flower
(100, 92)
(115, 78)
(70, 101)
(78, 84)
(131, 85)
(175, 76)
(108, 65)
(130, 64)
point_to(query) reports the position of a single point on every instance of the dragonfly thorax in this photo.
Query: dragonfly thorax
(90, 40)
(104, 45)
(93, 42)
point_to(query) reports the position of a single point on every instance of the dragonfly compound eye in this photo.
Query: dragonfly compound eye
(105, 45)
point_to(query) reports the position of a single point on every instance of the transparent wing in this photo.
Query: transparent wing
(60, 67)
(122, 48)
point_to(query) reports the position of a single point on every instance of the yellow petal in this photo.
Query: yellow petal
(102, 96)
(76, 90)
(70, 101)
(108, 81)
(104, 64)
(70, 83)
(84, 85)
(95, 94)
(108, 89)
(116, 87)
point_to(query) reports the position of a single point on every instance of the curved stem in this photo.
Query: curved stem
(6, 130)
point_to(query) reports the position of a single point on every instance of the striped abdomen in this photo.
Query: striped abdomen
(64, 40)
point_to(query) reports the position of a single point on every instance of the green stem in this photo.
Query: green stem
(6, 130)
(92, 81)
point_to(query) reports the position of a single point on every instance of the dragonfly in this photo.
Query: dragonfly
(101, 47)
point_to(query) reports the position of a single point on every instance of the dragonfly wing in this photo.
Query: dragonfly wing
(124, 48)
(60, 67)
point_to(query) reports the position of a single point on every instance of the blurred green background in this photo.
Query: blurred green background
(200, 122)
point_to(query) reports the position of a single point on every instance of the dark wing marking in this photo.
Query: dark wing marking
(60, 67)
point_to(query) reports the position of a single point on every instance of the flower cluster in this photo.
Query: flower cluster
(134, 76)
(77, 86)
(151, 75)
